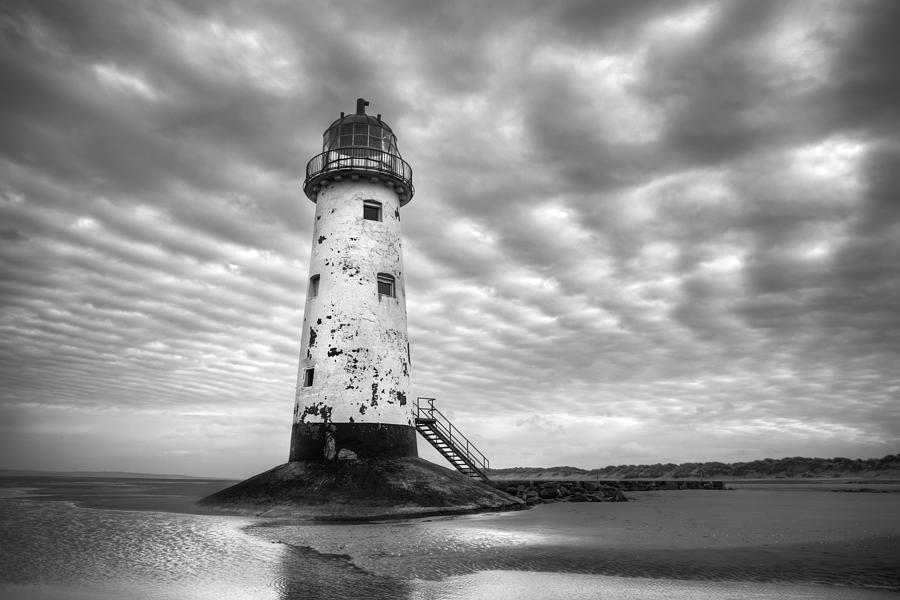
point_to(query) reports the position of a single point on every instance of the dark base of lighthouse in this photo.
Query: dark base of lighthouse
(310, 441)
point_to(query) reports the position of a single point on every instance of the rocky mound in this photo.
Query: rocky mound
(359, 489)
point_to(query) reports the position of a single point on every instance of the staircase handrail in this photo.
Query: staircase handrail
(444, 423)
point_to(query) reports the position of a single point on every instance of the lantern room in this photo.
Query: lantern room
(360, 131)
(355, 146)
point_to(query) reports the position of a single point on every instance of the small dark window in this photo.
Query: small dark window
(371, 210)
(313, 286)
(386, 286)
(308, 376)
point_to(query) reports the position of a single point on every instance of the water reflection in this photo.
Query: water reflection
(56, 550)
(308, 575)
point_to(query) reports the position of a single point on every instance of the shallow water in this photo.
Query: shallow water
(103, 553)
(691, 544)
(803, 537)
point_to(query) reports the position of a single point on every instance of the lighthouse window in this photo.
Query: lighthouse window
(386, 286)
(308, 376)
(371, 210)
(313, 286)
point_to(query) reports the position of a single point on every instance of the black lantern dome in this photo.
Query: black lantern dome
(359, 146)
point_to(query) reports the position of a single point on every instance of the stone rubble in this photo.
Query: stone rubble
(539, 492)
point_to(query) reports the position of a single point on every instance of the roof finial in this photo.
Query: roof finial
(361, 106)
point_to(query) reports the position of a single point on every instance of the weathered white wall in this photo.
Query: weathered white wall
(359, 347)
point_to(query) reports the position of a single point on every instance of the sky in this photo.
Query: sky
(642, 231)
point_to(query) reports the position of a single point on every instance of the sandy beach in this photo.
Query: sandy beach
(752, 535)
(756, 542)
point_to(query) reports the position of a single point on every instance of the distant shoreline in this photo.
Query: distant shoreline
(788, 468)
(550, 476)
(104, 474)
(532, 474)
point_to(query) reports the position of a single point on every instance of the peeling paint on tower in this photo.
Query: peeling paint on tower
(361, 357)
(358, 349)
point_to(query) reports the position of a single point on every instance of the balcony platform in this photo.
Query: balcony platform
(356, 163)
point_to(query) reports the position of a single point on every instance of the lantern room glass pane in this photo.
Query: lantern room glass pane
(356, 134)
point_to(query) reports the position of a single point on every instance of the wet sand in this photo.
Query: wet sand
(747, 543)
(517, 585)
(807, 536)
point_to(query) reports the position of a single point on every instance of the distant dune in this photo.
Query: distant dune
(767, 468)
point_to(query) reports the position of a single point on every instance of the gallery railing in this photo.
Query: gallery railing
(359, 160)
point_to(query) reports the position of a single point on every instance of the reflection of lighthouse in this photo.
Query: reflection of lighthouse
(353, 382)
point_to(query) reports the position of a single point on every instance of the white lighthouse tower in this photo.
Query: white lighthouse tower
(353, 384)
(352, 399)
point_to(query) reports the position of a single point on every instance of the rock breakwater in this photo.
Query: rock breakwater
(539, 492)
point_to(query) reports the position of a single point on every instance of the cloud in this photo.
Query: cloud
(632, 221)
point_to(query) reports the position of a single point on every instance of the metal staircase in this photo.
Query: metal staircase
(448, 440)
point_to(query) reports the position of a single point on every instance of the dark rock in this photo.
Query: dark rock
(548, 493)
(346, 454)
(617, 496)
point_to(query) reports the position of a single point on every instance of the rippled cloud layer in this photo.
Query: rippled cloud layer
(643, 231)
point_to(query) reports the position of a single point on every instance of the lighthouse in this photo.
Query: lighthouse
(352, 394)
(353, 438)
